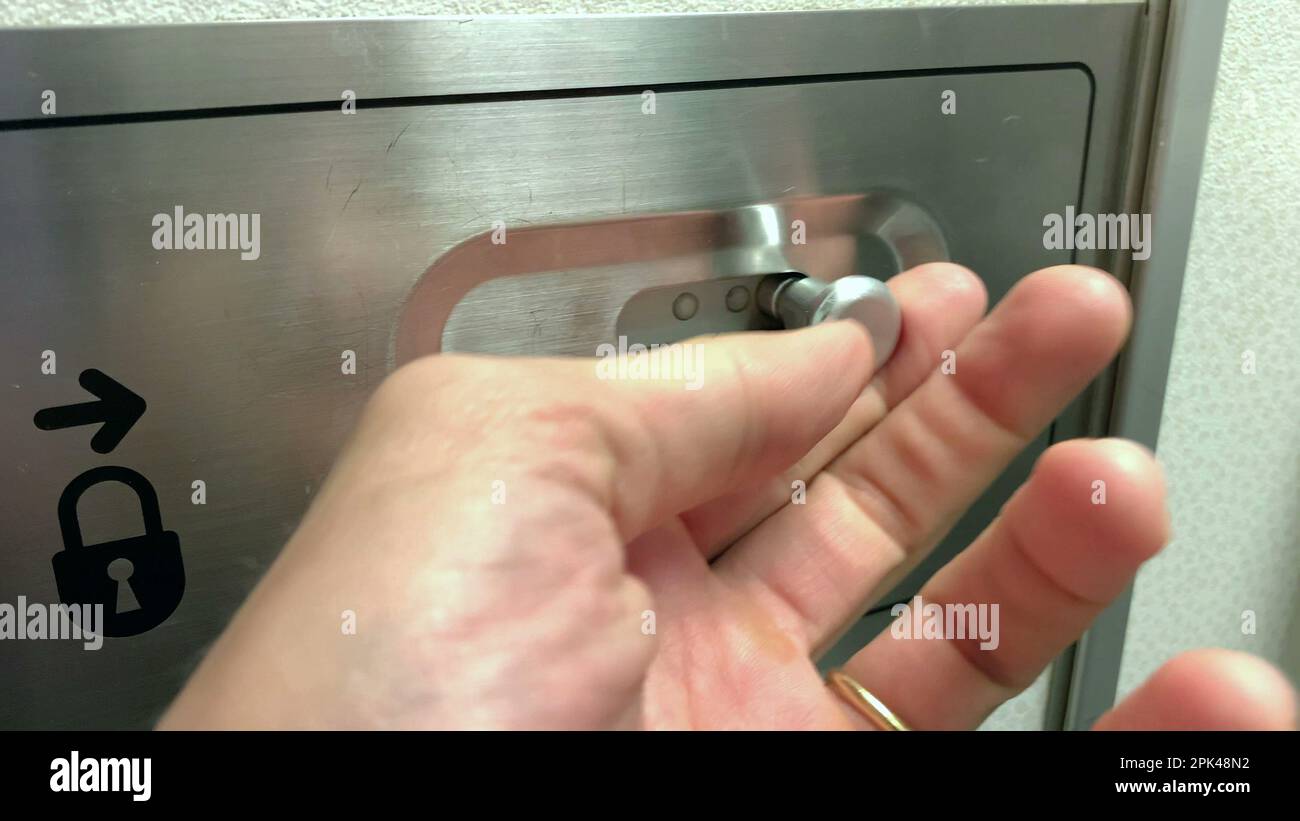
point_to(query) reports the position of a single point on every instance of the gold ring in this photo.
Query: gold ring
(861, 699)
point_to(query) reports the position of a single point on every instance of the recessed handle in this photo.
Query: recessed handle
(798, 301)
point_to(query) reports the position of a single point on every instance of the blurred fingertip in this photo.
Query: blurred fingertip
(1209, 689)
(1237, 689)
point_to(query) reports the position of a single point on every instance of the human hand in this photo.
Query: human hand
(620, 499)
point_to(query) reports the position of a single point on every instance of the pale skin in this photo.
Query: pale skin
(622, 497)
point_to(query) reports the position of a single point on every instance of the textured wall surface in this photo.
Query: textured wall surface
(1230, 442)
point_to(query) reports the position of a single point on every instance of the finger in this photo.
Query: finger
(1050, 563)
(885, 502)
(666, 449)
(940, 303)
(1208, 690)
(642, 444)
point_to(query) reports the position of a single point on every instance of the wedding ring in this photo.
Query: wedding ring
(861, 699)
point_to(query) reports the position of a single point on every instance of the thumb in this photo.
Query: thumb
(759, 402)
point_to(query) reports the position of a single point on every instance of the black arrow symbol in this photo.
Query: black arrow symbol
(117, 408)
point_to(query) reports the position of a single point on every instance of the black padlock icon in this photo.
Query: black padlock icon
(155, 576)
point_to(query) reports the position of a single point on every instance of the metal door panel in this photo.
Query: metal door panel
(239, 359)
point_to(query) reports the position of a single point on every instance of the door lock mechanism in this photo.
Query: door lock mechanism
(798, 301)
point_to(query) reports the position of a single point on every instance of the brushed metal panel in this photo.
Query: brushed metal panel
(112, 70)
(239, 360)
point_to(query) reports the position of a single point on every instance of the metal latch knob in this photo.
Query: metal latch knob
(798, 301)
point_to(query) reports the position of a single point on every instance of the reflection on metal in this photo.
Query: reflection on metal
(566, 289)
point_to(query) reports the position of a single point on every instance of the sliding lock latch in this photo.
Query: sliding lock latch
(798, 301)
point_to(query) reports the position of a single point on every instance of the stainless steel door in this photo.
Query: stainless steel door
(239, 359)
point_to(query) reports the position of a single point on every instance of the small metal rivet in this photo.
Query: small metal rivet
(737, 299)
(685, 305)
